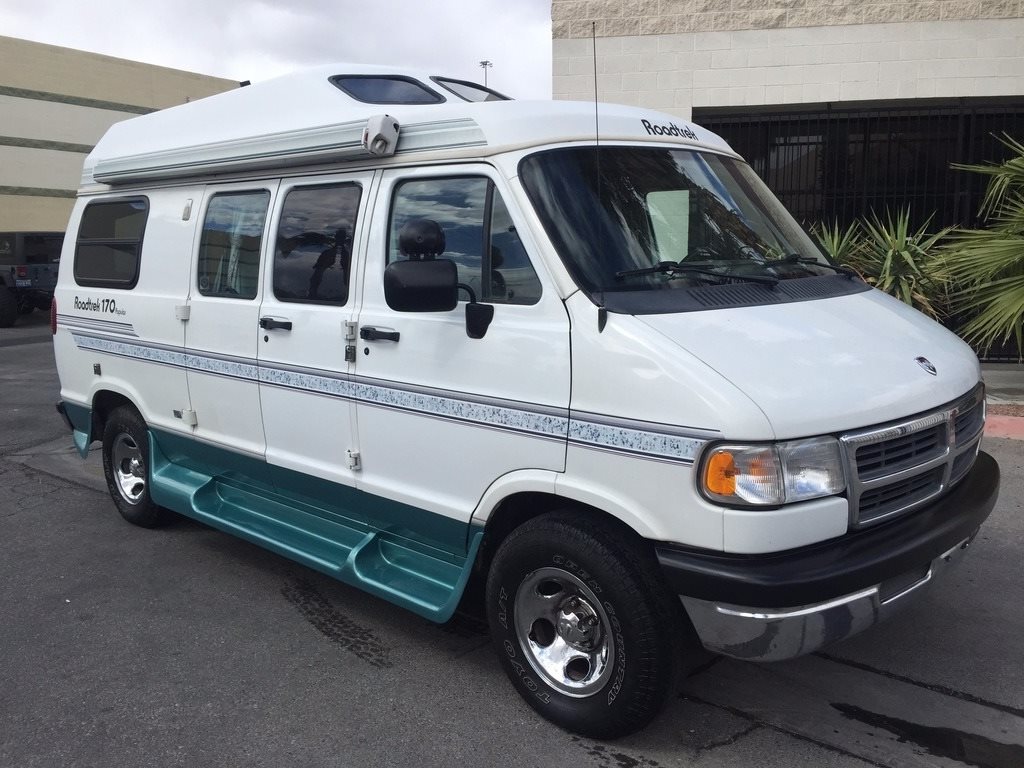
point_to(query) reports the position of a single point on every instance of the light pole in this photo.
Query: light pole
(485, 65)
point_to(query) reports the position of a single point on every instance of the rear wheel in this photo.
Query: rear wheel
(127, 469)
(584, 625)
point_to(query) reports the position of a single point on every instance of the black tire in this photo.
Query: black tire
(8, 307)
(591, 597)
(126, 468)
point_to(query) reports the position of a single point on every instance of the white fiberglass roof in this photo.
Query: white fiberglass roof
(305, 118)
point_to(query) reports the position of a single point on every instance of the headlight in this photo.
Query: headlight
(773, 474)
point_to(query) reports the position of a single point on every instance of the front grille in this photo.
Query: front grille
(878, 459)
(896, 468)
(882, 501)
(970, 422)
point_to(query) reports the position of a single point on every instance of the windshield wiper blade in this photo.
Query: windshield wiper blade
(676, 268)
(796, 258)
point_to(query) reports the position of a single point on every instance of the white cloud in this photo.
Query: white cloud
(254, 40)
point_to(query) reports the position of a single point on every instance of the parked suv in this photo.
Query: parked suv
(28, 272)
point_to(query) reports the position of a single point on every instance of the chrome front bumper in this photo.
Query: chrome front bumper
(761, 634)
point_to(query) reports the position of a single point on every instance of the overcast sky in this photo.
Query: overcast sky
(257, 39)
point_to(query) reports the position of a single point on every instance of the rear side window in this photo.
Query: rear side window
(229, 250)
(314, 244)
(7, 248)
(43, 249)
(109, 243)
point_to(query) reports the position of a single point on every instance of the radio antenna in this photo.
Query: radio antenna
(602, 313)
(597, 122)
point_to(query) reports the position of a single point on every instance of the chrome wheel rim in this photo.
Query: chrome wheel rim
(129, 468)
(565, 632)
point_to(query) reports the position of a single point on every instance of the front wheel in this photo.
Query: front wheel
(584, 625)
(126, 468)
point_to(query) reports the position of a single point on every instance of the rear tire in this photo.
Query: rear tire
(8, 307)
(127, 469)
(584, 625)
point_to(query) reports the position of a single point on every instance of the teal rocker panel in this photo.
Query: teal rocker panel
(350, 535)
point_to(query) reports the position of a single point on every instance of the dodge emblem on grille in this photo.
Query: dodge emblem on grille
(925, 363)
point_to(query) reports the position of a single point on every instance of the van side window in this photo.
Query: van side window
(42, 249)
(314, 244)
(479, 235)
(109, 243)
(229, 250)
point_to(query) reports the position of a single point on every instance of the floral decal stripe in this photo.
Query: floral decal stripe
(639, 442)
(541, 422)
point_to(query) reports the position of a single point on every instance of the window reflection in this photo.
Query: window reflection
(480, 236)
(314, 244)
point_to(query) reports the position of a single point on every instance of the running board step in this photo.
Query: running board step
(375, 561)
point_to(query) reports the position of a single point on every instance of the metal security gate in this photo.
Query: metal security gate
(835, 163)
(840, 162)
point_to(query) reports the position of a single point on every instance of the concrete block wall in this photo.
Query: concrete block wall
(625, 18)
(790, 63)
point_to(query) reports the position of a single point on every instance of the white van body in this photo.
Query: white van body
(399, 453)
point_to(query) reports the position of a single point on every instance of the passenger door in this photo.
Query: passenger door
(223, 314)
(441, 416)
(304, 382)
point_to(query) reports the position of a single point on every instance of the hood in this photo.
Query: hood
(830, 365)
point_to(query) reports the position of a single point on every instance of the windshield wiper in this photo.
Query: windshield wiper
(796, 258)
(677, 268)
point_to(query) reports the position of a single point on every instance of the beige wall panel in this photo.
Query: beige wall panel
(50, 121)
(51, 69)
(34, 214)
(615, 18)
(23, 167)
(673, 73)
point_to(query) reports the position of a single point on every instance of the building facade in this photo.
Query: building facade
(845, 107)
(55, 103)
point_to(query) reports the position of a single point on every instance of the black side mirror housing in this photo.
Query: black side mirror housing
(478, 319)
(422, 286)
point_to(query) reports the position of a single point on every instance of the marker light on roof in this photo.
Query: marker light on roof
(380, 136)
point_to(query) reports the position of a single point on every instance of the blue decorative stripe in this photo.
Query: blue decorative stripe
(640, 439)
(233, 368)
(96, 324)
(148, 352)
(515, 418)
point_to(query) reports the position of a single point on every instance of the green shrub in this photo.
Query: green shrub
(987, 265)
(905, 263)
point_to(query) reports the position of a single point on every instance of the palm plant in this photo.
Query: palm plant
(888, 254)
(842, 246)
(988, 264)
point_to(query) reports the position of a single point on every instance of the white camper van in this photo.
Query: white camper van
(418, 336)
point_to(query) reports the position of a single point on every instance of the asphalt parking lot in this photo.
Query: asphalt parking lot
(186, 647)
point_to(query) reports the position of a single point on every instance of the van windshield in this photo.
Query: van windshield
(647, 230)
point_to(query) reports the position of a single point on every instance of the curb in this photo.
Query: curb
(1005, 426)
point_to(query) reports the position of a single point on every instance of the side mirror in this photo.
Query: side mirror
(421, 286)
(478, 319)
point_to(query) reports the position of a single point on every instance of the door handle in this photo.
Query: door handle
(272, 324)
(369, 333)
